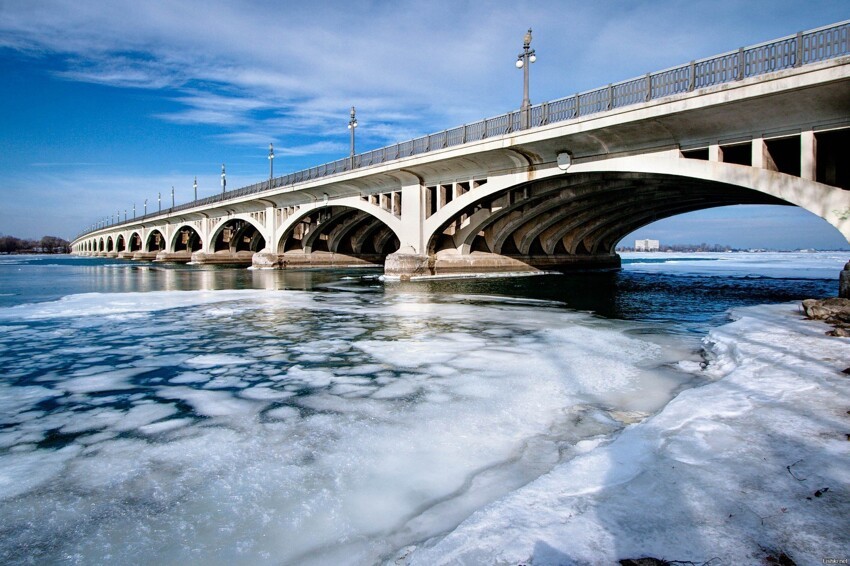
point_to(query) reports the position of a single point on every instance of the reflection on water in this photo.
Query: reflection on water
(691, 304)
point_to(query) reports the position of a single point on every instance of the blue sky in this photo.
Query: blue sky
(105, 104)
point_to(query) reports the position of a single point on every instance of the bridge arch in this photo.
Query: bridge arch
(237, 234)
(120, 243)
(586, 212)
(826, 201)
(185, 239)
(109, 244)
(135, 242)
(355, 227)
(155, 242)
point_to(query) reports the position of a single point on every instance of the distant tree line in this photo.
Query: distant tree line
(46, 245)
(687, 248)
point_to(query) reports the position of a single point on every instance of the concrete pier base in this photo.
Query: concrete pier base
(844, 282)
(173, 257)
(144, 256)
(295, 260)
(406, 266)
(126, 255)
(222, 258)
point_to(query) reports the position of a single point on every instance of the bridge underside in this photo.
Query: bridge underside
(562, 223)
(333, 236)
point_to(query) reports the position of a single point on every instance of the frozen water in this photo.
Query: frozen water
(823, 265)
(384, 421)
(281, 427)
(715, 463)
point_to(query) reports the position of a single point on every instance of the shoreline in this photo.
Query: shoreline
(752, 465)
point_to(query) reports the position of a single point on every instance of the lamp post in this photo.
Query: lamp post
(523, 60)
(125, 215)
(146, 207)
(195, 186)
(159, 201)
(172, 196)
(271, 165)
(223, 179)
(134, 211)
(352, 124)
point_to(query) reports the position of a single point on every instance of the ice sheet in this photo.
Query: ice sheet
(731, 469)
(408, 415)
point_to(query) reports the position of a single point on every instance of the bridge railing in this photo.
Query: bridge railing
(784, 53)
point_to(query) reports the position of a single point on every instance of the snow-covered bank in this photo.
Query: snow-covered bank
(732, 471)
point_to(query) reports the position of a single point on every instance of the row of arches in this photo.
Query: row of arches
(236, 235)
(335, 229)
(583, 214)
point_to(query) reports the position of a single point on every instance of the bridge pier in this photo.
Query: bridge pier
(295, 260)
(844, 282)
(174, 257)
(222, 258)
(405, 266)
(144, 256)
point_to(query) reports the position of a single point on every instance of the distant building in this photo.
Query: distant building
(647, 245)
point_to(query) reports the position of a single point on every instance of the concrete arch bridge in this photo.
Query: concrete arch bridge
(559, 194)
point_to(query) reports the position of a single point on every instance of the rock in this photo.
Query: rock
(833, 310)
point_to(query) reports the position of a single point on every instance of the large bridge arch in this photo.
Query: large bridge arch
(826, 201)
(587, 210)
(352, 226)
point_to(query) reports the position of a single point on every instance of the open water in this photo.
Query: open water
(178, 414)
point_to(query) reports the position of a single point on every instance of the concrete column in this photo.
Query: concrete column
(761, 155)
(715, 153)
(411, 259)
(271, 228)
(412, 216)
(808, 155)
(267, 258)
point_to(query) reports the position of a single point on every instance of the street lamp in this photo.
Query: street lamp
(172, 196)
(223, 180)
(146, 207)
(159, 201)
(195, 186)
(271, 165)
(523, 60)
(134, 211)
(352, 124)
(125, 215)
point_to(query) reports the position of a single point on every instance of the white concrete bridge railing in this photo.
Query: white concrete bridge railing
(765, 124)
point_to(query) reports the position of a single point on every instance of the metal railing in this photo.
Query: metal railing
(784, 53)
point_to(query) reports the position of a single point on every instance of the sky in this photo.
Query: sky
(108, 103)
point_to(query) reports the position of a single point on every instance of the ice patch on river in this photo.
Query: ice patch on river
(289, 427)
(751, 465)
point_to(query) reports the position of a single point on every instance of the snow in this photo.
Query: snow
(782, 265)
(726, 471)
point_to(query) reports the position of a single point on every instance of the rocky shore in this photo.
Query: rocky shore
(834, 311)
